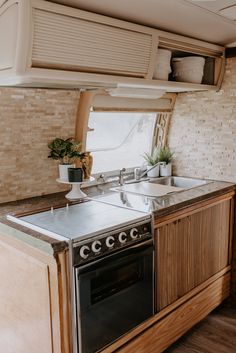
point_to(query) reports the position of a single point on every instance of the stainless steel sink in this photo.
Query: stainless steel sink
(161, 186)
(180, 182)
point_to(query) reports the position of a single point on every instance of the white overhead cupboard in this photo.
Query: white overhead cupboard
(45, 44)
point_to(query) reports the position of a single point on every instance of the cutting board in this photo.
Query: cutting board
(148, 189)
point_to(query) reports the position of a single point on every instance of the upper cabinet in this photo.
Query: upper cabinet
(50, 45)
(71, 40)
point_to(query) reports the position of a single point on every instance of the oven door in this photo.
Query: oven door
(113, 295)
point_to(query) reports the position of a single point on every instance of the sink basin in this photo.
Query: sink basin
(161, 186)
(180, 182)
(146, 188)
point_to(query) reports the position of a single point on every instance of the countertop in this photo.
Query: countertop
(161, 206)
(158, 206)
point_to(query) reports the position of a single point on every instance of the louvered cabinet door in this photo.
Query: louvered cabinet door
(63, 41)
(190, 250)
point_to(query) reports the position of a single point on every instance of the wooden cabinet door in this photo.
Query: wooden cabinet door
(191, 249)
(29, 299)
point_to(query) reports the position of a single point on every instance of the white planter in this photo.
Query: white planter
(166, 170)
(63, 171)
(154, 173)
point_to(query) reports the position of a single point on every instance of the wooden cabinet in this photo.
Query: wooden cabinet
(34, 299)
(189, 250)
(42, 50)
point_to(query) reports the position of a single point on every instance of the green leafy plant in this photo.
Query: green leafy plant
(67, 151)
(152, 158)
(165, 155)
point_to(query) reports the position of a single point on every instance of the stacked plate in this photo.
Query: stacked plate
(188, 69)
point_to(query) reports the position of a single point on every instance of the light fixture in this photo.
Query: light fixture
(136, 92)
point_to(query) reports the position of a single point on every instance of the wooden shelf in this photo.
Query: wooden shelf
(45, 78)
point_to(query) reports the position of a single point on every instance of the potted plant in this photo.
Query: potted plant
(66, 151)
(166, 156)
(152, 159)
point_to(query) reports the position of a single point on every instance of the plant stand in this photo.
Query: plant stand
(76, 193)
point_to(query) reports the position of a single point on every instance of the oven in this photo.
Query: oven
(113, 285)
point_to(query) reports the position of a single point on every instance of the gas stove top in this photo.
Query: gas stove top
(80, 221)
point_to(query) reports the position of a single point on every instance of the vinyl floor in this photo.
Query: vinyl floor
(215, 334)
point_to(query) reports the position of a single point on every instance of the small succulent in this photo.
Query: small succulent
(152, 158)
(165, 155)
(65, 150)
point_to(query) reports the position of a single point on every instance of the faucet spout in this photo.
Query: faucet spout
(146, 171)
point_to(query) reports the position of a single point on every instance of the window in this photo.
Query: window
(119, 139)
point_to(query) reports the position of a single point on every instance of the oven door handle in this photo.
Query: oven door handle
(132, 250)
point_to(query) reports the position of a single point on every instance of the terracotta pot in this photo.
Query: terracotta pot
(87, 163)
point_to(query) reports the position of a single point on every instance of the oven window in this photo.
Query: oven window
(113, 297)
(109, 283)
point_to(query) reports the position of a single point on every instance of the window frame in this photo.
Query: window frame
(100, 100)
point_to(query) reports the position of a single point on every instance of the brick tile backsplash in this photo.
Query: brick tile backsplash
(203, 131)
(202, 134)
(29, 119)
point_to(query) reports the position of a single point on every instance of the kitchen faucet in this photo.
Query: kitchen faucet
(138, 177)
(121, 176)
(137, 174)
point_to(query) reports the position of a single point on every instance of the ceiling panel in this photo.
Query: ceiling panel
(197, 19)
(213, 5)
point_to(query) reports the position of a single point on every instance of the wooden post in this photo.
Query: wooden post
(82, 116)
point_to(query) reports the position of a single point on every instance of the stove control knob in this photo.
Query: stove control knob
(122, 237)
(96, 246)
(134, 233)
(110, 242)
(84, 251)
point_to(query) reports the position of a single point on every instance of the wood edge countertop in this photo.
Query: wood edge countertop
(162, 206)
